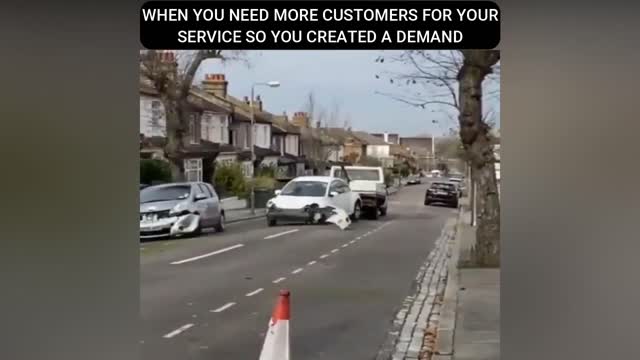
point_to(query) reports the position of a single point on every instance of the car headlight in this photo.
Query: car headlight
(179, 210)
(271, 204)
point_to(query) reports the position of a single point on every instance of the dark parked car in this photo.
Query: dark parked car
(443, 192)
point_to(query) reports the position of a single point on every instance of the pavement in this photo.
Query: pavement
(211, 297)
(477, 333)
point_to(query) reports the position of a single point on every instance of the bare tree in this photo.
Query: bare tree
(455, 82)
(318, 144)
(172, 74)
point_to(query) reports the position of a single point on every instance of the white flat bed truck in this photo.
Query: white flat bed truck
(369, 183)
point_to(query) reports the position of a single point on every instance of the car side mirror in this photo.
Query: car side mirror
(277, 192)
(200, 197)
(333, 193)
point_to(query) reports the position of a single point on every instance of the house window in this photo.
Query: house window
(247, 168)
(156, 112)
(193, 169)
(194, 128)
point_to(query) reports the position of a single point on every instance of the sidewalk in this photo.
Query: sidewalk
(455, 313)
(472, 303)
(236, 215)
(477, 331)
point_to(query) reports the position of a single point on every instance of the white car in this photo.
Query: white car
(312, 199)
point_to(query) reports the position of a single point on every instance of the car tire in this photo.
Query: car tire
(220, 225)
(454, 205)
(271, 222)
(374, 213)
(427, 203)
(198, 231)
(357, 212)
(383, 211)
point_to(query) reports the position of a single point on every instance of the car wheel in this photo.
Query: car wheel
(427, 203)
(383, 211)
(271, 222)
(357, 212)
(455, 205)
(374, 213)
(220, 225)
(198, 231)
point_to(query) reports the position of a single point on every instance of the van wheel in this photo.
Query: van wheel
(271, 222)
(374, 213)
(383, 211)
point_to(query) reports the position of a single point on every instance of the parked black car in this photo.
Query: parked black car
(444, 192)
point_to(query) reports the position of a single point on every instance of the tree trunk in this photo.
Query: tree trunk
(175, 136)
(474, 134)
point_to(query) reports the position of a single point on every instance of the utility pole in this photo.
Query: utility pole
(253, 143)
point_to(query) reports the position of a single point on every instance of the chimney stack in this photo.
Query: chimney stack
(215, 84)
(167, 60)
(246, 100)
(257, 103)
(301, 119)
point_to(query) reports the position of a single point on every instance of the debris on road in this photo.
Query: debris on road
(340, 218)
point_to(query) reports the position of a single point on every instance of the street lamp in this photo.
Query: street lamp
(272, 84)
(433, 145)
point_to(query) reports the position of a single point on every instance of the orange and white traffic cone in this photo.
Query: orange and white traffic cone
(276, 341)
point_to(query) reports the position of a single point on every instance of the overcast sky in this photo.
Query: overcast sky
(346, 78)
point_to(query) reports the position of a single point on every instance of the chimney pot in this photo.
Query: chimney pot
(215, 84)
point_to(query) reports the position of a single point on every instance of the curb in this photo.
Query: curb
(245, 219)
(446, 328)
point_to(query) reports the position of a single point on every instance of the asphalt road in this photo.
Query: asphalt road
(211, 297)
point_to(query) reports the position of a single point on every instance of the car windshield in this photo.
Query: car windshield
(165, 193)
(305, 188)
(359, 174)
(442, 186)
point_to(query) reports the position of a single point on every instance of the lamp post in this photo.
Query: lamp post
(272, 84)
(433, 145)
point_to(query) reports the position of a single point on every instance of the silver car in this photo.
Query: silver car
(179, 209)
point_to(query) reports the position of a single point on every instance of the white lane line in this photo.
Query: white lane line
(279, 280)
(345, 245)
(223, 307)
(254, 292)
(178, 331)
(280, 234)
(324, 256)
(207, 254)
(335, 250)
(297, 271)
(311, 262)
(359, 237)
(352, 242)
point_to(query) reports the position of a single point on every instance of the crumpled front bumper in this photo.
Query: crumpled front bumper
(172, 226)
(311, 214)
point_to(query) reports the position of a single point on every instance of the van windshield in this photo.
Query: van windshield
(359, 174)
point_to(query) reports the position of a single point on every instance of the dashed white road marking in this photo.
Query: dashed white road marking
(359, 237)
(280, 234)
(335, 250)
(324, 256)
(345, 245)
(178, 331)
(279, 280)
(297, 270)
(207, 254)
(223, 307)
(352, 242)
(254, 292)
(311, 262)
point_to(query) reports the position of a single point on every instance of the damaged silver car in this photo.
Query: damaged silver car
(178, 209)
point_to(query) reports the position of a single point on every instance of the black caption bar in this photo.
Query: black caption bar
(270, 25)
